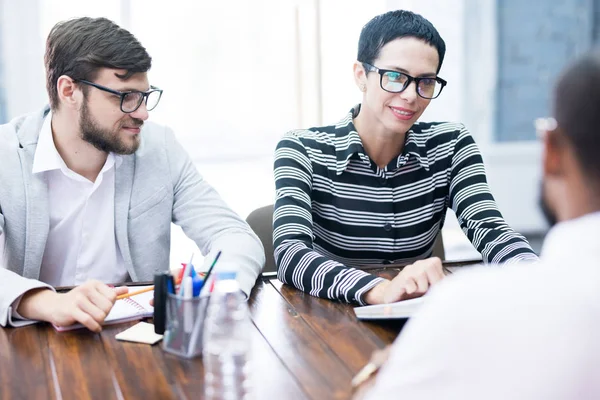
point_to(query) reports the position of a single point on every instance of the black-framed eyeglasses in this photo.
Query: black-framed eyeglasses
(396, 82)
(132, 99)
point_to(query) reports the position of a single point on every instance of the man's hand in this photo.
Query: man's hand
(88, 304)
(413, 281)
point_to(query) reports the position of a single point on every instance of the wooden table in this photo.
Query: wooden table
(303, 347)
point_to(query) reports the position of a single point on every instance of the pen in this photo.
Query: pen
(170, 284)
(197, 283)
(377, 360)
(126, 295)
(188, 316)
(210, 269)
(186, 272)
(364, 374)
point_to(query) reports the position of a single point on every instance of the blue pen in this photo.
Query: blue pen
(197, 283)
(170, 284)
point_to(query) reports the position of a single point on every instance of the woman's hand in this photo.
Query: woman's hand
(413, 281)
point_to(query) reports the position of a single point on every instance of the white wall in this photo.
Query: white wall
(21, 50)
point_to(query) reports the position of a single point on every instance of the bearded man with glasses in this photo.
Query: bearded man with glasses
(89, 187)
(373, 189)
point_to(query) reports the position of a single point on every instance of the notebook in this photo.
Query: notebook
(125, 310)
(401, 309)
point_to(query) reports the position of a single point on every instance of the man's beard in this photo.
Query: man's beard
(545, 207)
(105, 140)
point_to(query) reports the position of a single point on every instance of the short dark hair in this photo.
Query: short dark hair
(80, 47)
(577, 112)
(394, 25)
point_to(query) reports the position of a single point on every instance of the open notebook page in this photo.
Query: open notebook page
(125, 310)
(400, 309)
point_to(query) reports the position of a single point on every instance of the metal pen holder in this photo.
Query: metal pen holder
(184, 325)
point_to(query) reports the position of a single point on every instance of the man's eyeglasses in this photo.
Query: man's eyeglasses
(543, 126)
(396, 82)
(131, 100)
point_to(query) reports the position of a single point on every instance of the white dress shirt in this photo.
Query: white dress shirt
(517, 332)
(81, 242)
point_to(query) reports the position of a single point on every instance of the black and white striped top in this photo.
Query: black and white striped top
(336, 210)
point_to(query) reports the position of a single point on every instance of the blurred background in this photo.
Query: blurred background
(237, 74)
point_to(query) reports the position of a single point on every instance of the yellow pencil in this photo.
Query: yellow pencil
(126, 295)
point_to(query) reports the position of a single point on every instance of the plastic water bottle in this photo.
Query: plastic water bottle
(226, 342)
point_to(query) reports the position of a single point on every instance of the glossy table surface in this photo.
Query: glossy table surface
(303, 348)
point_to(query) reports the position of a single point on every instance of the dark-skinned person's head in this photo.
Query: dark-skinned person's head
(571, 143)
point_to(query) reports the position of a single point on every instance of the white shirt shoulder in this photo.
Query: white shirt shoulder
(518, 332)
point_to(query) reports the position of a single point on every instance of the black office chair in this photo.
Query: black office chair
(261, 222)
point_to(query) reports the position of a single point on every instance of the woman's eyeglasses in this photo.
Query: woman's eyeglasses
(396, 82)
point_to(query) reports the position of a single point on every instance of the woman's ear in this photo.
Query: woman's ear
(360, 76)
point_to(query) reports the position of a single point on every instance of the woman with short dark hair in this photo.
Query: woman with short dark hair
(374, 188)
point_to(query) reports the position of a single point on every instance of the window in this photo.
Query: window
(535, 42)
(228, 70)
(2, 102)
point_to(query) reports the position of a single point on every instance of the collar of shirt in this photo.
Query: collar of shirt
(349, 144)
(47, 158)
(578, 236)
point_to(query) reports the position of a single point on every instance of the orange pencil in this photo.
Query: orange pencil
(126, 295)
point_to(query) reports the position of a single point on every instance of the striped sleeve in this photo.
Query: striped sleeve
(476, 209)
(297, 263)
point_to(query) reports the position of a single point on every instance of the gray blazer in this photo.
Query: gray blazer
(153, 187)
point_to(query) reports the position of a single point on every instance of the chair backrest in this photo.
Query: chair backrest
(438, 247)
(261, 222)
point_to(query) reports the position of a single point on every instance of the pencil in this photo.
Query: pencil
(211, 268)
(126, 295)
(364, 374)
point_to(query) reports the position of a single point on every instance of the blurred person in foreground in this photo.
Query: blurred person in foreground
(89, 187)
(527, 332)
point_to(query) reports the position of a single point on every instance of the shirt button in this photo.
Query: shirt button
(387, 227)
(383, 180)
(387, 262)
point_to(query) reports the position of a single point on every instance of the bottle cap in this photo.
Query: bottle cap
(225, 275)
